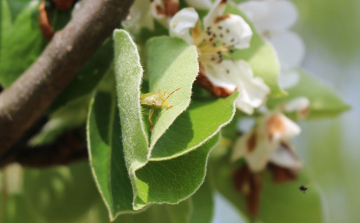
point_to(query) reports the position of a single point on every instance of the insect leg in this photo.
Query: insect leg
(150, 114)
(167, 105)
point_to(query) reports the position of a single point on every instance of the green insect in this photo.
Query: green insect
(153, 101)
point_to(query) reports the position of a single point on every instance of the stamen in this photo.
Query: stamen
(220, 27)
(221, 35)
(232, 40)
(227, 30)
(211, 39)
(227, 71)
(214, 35)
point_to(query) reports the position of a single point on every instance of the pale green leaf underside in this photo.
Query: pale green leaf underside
(324, 100)
(106, 154)
(196, 125)
(174, 180)
(261, 56)
(172, 64)
(179, 213)
(295, 206)
(128, 75)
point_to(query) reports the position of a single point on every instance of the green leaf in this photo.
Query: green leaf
(128, 76)
(106, 154)
(179, 213)
(172, 64)
(174, 180)
(261, 56)
(324, 100)
(201, 121)
(157, 181)
(21, 41)
(16, 6)
(203, 204)
(166, 181)
(294, 206)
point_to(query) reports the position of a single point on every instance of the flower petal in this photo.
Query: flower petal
(217, 10)
(288, 78)
(218, 74)
(271, 14)
(253, 90)
(181, 23)
(291, 129)
(232, 31)
(284, 157)
(289, 47)
(297, 104)
(240, 149)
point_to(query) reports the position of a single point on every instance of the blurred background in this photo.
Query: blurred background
(330, 148)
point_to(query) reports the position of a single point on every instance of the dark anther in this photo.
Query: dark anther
(220, 27)
(227, 30)
(232, 40)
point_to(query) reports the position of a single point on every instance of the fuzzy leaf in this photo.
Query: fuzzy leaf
(174, 180)
(324, 100)
(201, 121)
(261, 56)
(128, 76)
(179, 213)
(172, 64)
(106, 154)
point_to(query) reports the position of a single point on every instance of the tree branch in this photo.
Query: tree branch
(69, 147)
(26, 99)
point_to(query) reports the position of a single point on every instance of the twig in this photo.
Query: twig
(25, 100)
(67, 148)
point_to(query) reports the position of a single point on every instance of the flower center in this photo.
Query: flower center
(211, 46)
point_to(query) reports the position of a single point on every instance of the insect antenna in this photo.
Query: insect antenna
(171, 94)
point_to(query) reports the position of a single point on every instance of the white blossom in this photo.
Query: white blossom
(269, 141)
(273, 19)
(223, 34)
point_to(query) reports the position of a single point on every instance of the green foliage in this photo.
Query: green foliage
(16, 52)
(177, 168)
(261, 56)
(294, 205)
(203, 203)
(324, 100)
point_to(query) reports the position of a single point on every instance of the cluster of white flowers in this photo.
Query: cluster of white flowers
(216, 37)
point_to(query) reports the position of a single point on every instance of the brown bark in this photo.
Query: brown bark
(26, 99)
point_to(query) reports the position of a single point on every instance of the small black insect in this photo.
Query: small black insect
(303, 188)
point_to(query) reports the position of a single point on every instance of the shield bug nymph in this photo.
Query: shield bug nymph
(153, 101)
